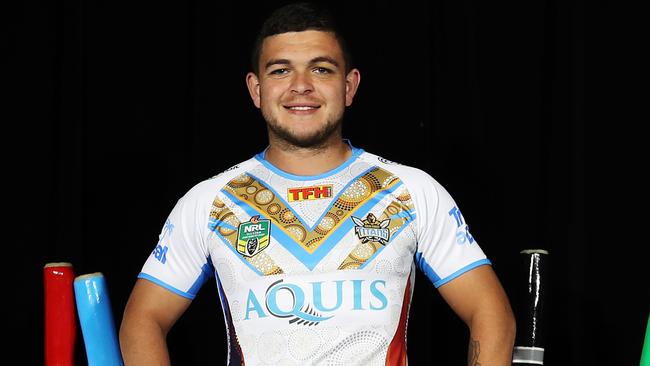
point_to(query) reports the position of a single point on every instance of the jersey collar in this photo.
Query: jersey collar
(355, 154)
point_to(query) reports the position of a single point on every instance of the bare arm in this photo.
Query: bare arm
(149, 315)
(480, 301)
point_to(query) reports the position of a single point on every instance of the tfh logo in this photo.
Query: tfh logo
(309, 193)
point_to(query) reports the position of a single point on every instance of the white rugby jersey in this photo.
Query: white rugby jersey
(314, 270)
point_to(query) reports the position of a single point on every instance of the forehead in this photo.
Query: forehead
(301, 46)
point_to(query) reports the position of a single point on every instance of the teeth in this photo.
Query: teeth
(302, 108)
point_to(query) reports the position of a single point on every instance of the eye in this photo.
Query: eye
(322, 70)
(279, 71)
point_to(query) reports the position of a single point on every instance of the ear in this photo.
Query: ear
(352, 81)
(253, 84)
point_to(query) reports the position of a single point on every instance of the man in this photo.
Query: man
(314, 242)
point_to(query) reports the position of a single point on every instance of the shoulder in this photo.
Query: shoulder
(415, 179)
(208, 188)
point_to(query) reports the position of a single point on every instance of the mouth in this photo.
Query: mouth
(301, 108)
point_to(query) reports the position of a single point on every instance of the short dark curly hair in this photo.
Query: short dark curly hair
(298, 17)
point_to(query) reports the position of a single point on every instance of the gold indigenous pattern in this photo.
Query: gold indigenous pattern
(259, 197)
(221, 214)
(364, 251)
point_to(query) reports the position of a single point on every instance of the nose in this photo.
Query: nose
(301, 83)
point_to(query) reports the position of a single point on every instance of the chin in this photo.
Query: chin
(303, 132)
(307, 141)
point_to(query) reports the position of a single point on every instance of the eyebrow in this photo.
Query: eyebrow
(281, 61)
(315, 60)
(324, 59)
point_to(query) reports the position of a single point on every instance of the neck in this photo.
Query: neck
(307, 160)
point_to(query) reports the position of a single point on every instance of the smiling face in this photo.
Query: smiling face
(302, 88)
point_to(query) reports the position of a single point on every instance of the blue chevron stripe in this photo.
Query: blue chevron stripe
(311, 260)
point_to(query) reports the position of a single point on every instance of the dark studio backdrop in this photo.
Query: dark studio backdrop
(120, 108)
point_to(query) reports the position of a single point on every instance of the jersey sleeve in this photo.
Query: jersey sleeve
(445, 247)
(180, 261)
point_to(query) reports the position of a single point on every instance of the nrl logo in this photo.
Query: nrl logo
(372, 229)
(253, 236)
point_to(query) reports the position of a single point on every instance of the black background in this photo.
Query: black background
(117, 109)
